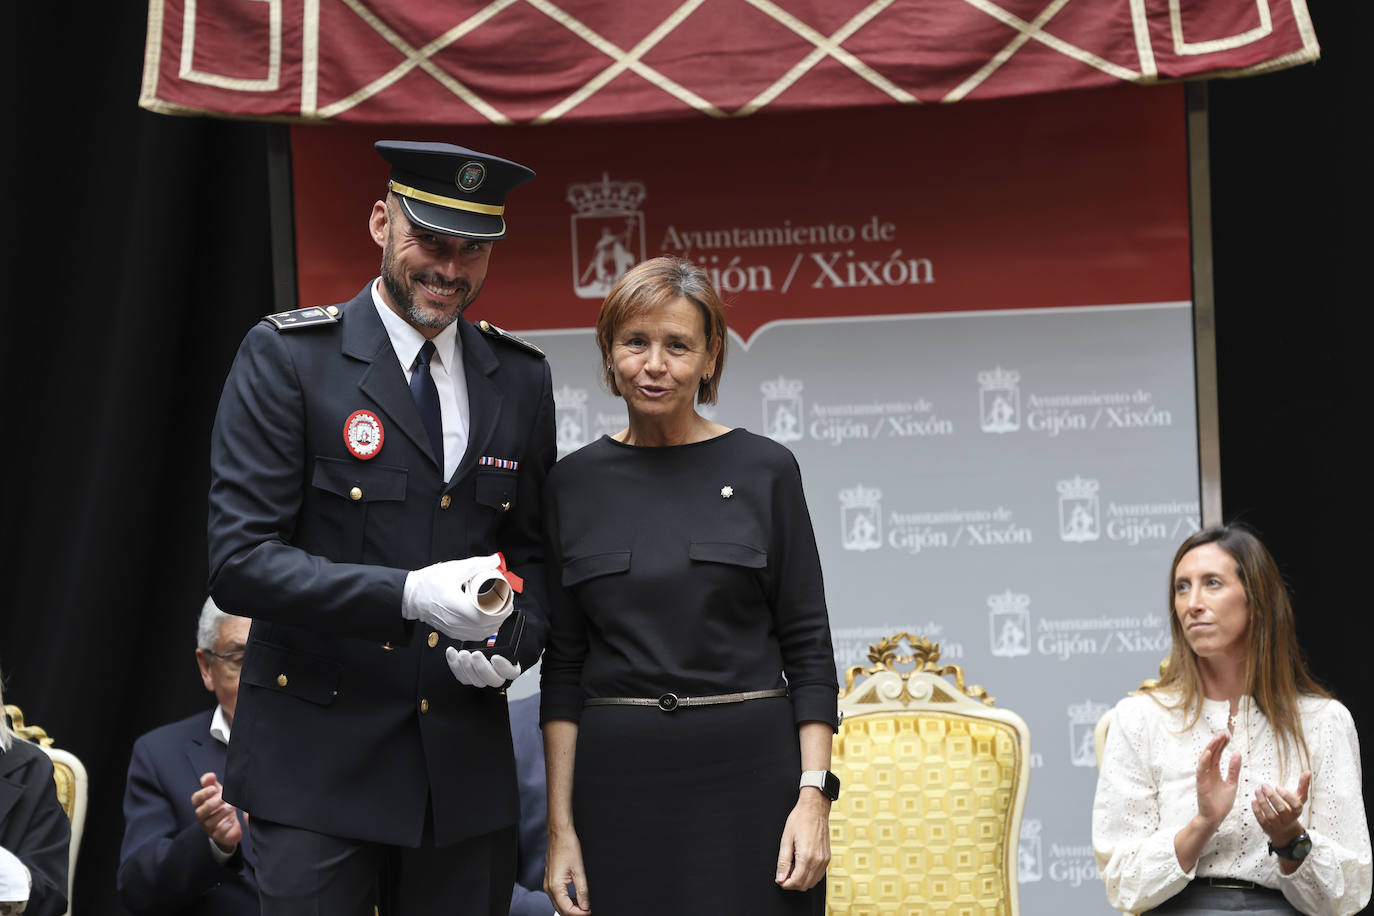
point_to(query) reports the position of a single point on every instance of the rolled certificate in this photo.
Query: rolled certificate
(490, 594)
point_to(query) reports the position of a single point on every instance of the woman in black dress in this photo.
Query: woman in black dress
(689, 682)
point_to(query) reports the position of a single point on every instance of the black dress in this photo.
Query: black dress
(693, 570)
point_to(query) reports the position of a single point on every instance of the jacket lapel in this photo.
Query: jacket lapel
(207, 756)
(484, 396)
(10, 791)
(365, 338)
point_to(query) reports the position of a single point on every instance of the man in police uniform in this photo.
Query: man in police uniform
(368, 460)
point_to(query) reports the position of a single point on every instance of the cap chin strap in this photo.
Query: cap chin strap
(452, 203)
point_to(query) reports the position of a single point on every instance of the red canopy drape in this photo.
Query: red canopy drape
(536, 61)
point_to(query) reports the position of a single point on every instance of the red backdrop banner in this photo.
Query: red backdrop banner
(1075, 199)
(541, 61)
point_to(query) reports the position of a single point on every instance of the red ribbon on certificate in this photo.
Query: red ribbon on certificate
(516, 583)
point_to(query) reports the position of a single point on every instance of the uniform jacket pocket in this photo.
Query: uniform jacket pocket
(313, 678)
(358, 482)
(496, 488)
(352, 504)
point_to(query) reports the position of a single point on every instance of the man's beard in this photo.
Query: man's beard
(407, 294)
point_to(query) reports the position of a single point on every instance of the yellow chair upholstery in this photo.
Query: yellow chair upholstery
(933, 784)
(70, 775)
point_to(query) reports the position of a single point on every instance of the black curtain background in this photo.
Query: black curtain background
(137, 255)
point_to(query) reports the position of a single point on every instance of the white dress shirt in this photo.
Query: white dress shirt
(219, 730)
(446, 368)
(219, 726)
(1147, 792)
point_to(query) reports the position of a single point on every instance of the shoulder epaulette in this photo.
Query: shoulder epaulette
(304, 318)
(491, 330)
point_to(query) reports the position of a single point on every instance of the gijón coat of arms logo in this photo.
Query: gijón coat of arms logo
(607, 233)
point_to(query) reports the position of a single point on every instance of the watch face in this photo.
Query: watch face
(1295, 851)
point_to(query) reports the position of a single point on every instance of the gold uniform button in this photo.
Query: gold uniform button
(484, 325)
(281, 680)
(424, 706)
(446, 501)
(331, 310)
(355, 494)
(433, 639)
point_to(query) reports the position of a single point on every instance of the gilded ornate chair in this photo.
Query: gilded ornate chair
(69, 774)
(933, 783)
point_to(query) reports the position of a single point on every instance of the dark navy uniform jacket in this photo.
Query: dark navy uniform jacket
(165, 863)
(349, 722)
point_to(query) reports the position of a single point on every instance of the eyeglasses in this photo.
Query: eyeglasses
(233, 661)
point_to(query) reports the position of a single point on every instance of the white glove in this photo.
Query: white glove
(14, 879)
(476, 670)
(463, 599)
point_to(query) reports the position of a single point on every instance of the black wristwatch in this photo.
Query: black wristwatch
(1295, 851)
(826, 781)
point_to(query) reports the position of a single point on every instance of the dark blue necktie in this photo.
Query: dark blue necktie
(426, 397)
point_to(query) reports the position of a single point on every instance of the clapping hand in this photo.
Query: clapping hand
(217, 817)
(1216, 793)
(1277, 810)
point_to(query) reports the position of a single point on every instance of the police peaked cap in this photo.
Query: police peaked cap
(451, 189)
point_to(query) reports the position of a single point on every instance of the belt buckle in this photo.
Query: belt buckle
(668, 702)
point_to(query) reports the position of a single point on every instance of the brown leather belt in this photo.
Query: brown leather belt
(671, 701)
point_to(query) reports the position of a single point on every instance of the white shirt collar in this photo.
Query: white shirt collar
(446, 369)
(219, 726)
(407, 341)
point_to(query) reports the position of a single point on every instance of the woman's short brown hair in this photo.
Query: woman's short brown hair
(655, 283)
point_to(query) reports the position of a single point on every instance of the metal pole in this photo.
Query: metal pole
(1204, 304)
(281, 214)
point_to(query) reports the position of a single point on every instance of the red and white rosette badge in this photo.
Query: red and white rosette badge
(363, 434)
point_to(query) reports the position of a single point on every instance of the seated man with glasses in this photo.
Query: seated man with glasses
(185, 849)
